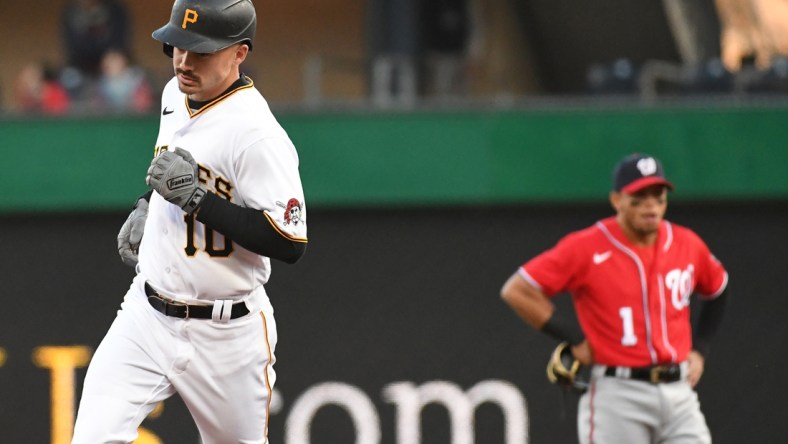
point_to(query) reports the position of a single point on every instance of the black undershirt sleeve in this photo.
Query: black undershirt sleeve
(248, 228)
(145, 197)
(709, 319)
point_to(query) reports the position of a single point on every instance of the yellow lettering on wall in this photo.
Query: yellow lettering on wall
(2, 356)
(189, 16)
(62, 361)
(145, 435)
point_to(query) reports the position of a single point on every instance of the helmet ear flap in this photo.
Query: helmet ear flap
(167, 49)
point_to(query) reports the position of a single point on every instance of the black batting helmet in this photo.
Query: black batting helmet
(207, 26)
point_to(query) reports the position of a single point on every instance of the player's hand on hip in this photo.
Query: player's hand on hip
(583, 353)
(173, 174)
(130, 234)
(695, 365)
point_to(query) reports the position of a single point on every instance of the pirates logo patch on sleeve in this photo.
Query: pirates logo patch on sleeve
(293, 211)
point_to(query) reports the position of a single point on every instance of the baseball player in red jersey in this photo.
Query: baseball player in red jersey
(197, 320)
(631, 277)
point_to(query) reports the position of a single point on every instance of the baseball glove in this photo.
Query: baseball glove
(563, 369)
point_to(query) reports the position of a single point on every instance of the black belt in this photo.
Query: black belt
(654, 374)
(176, 309)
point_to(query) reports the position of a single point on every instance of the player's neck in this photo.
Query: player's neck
(637, 237)
(239, 82)
(642, 240)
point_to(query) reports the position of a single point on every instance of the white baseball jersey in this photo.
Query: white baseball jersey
(221, 368)
(244, 156)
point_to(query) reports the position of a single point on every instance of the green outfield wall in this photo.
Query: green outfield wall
(476, 157)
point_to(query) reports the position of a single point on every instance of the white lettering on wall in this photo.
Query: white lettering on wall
(411, 399)
(352, 399)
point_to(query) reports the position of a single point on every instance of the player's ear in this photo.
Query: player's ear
(240, 53)
(615, 200)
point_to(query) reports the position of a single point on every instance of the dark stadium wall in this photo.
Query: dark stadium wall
(569, 36)
(389, 309)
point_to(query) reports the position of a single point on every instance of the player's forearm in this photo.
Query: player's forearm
(535, 308)
(709, 320)
(564, 329)
(529, 303)
(248, 228)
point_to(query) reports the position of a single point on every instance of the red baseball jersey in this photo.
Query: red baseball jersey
(632, 302)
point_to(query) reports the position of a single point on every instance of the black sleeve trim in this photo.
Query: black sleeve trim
(709, 320)
(249, 228)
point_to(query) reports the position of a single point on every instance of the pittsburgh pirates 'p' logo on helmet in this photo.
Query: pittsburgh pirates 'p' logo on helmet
(207, 26)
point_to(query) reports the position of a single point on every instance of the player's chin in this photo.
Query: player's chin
(649, 225)
(188, 86)
(187, 89)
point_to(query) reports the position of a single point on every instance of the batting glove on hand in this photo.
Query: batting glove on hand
(563, 369)
(173, 174)
(130, 234)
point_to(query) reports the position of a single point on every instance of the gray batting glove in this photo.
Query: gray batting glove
(130, 234)
(187, 156)
(173, 174)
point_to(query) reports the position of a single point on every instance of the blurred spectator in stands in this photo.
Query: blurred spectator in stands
(617, 77)
(37, 90)
(448, 30)
(772, 80)
(123, 86)
(752, 29)
(394, 40)
(92, 27)
(710, 78)
(695, 27)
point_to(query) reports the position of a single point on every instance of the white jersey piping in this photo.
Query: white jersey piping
(643, 286)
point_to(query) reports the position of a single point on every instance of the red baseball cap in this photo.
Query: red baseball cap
(638, 171)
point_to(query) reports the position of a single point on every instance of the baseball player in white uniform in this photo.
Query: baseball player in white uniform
(225, 198)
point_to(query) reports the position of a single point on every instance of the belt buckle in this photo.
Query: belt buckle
(655, 374)
(175, 303)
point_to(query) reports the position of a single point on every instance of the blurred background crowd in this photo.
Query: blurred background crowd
(96, 73)
(97, 57)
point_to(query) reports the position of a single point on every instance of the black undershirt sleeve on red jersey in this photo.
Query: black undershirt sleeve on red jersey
(709, 319)
(248, 228)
